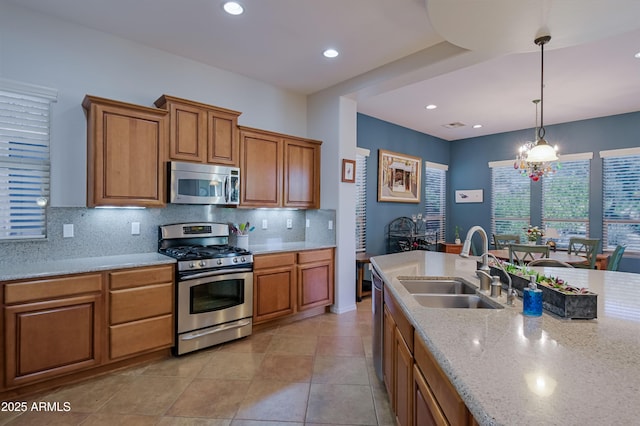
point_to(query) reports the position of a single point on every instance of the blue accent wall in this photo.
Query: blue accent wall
(468, 169)
(375, 134)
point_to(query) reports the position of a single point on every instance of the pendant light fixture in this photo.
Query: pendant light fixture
(534, 160)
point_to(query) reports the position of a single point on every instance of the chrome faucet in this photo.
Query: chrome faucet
(511, 292)
(466, 247)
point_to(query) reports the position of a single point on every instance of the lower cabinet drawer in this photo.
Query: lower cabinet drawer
(140, 302)
(139, 336)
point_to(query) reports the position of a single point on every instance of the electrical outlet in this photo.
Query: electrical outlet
(308, 224)
(330, 224)
(289, 223)
(135, 228)
(264, 223)
(67, 230)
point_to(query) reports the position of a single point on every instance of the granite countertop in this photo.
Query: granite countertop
(511, 369)
(13, 271)
(27, 270)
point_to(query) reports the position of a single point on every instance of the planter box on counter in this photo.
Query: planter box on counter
(573, 306)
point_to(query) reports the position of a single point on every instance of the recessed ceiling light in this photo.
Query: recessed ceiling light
(330, 53)
(477, 126)
(233, 8)
(431, 106)
(637, 55)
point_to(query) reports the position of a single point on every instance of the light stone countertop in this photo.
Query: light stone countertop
(516, 370)
(31, 269)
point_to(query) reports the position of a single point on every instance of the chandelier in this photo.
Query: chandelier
(535, 160)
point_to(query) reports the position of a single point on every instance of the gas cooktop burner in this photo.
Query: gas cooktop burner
(204, 252)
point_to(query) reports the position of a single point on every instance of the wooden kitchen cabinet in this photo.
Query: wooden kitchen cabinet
(141, 302)
(279, 170)
(315, 278)
(434, 394)
(52, 327)
(274, 286)
(201, 133)
(398, 360)
(125, 153)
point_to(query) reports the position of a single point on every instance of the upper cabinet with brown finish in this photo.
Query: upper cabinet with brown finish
(279, 170)
(201, 133)
(125, 153)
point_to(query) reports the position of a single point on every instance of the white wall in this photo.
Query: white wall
(76, 61)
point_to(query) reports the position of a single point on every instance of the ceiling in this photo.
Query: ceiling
(483, 66)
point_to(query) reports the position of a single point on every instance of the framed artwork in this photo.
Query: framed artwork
(398, 177)
(348, 171)
(469, 196)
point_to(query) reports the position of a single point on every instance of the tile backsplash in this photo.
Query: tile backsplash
(105, 232)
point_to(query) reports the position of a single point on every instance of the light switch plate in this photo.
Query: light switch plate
(135, 228)
(67, 230)
(289, 223)
(330, 224)
(264, 223)
(308, 224)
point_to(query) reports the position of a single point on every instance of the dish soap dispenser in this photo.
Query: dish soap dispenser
(532, 299)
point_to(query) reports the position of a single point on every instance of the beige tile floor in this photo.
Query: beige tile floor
(317, 371)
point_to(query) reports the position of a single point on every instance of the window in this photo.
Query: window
(565, 198)
(361, 198)
(510, 200)
(435, 198)
(621, 199)
(24, 159)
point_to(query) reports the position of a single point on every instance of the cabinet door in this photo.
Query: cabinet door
(426, 411)
(222, 141)
(261, 170)
(274, 293)
(388, 356)
(125, 149)
(301, 174)
(188, 133)
(48, 339)
(315, 285)
(404, 381)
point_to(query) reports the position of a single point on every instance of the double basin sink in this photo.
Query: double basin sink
(447, 293)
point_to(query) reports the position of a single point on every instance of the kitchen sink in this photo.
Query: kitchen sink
(464, 301)
(438, 286)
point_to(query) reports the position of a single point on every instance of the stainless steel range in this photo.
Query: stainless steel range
(214, 291)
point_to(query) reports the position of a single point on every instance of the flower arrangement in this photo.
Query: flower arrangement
(551, 282)
(533, 233)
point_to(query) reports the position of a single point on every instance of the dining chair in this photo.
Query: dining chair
(524, 253)
(550, 262)
(614, 259)
(587, 247)
(501, 241)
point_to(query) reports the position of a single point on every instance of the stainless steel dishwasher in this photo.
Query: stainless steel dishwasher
(378, 314)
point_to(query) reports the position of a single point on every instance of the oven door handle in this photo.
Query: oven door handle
(217, 329)
(213, 273)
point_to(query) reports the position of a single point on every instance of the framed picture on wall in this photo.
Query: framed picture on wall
(398, 177)
(348, 171)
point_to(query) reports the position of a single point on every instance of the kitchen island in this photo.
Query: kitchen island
(515, 370)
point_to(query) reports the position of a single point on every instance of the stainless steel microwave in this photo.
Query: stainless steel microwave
(193, 183)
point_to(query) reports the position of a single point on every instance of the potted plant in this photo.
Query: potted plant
(457, 234)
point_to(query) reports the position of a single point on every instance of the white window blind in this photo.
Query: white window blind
(621, 199)
(435, 196)
(510, 200)
(24, 159)
(565, 198)
(361, 199)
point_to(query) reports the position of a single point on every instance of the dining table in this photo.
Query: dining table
(561, 256)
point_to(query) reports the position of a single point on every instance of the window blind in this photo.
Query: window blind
(361, 199)
(621, 199)
(24, 159)
(510, 195)
(565, 198)
(435, 196)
